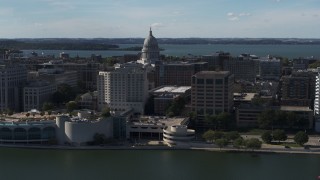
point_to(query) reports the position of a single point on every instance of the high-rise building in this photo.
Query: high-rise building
(150, 51)
(244, 67)
(270, 68)
(211, 94)
(298, 89)
(177, 73)
(12, 79)
(317, 102)
(124, 88)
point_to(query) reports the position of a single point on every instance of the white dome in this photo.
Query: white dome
(150, 50)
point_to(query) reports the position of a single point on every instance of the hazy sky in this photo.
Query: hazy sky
(169, 18)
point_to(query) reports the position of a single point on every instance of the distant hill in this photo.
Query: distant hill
(112, 43)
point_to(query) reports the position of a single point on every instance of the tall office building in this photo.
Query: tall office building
(211, 94)
(124, 88)
(244, 67)
(177, 73)
(12, 79)
(270, 68)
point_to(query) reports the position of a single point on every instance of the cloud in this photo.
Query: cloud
(235, 17)
(157, 25)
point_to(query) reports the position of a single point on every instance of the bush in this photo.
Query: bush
(301, 138)
(267, 137)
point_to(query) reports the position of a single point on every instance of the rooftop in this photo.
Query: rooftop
(171, 89)
(295, 108)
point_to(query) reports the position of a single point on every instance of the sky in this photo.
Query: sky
(168, 18)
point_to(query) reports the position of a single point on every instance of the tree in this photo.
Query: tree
(28, 114)
(49, 112)
(267, 137)
(232, 135)
(177, 106)
(301, 138)
(238, 143)
(47, 106)
(224, 119)
(106, 113)
(64, 94)
(265, 119)
(41, 113)
(279, 135)
(218, 135)
(208, 135)
(71, 105)
(212, 120)
(253, 143)
(221, 143)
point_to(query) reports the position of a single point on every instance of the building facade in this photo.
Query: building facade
(124, 88)
(36, 93)
(270, 68)
(12, 79)
(177, 73)
(211, 94)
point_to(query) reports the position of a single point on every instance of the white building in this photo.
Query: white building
(150, 51)
(36, 93)
(178, 134)
(124, 88)
(12, 79)
(317, 102)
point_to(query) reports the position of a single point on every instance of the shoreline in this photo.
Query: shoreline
(175, 148)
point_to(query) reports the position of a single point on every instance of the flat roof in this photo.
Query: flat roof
(243, 96)
(295, 108)
(158, 120)
(172, 89)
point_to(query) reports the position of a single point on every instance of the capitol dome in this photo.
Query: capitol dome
(150, 51)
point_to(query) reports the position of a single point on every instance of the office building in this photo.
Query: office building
(37, 93)
(12, 79)
(270, 68)
(177, 73)
(211, 94)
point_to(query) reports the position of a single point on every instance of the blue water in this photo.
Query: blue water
(289, 51)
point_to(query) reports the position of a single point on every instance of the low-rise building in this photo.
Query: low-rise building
(165, 95)
(36, 93)
(178, 134)
(302, 112)
(146, 127)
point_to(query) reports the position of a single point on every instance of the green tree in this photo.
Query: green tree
(232, 135)
(27, 114)
(64, 94)
(267, 137)
(280, 119)
(106, 113)
(47, 106)
(41, 113)
(238, 143)
(253, 143)
(176, 106)
(49, 112)
(221, 142)
(218, 135)
(224, 120)
(71, 105)
(279, 135)
(211, 120)
(301, 138)
(208, 136)
(265, 119)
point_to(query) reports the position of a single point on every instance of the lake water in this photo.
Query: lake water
(290, 51)
(16, 164)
